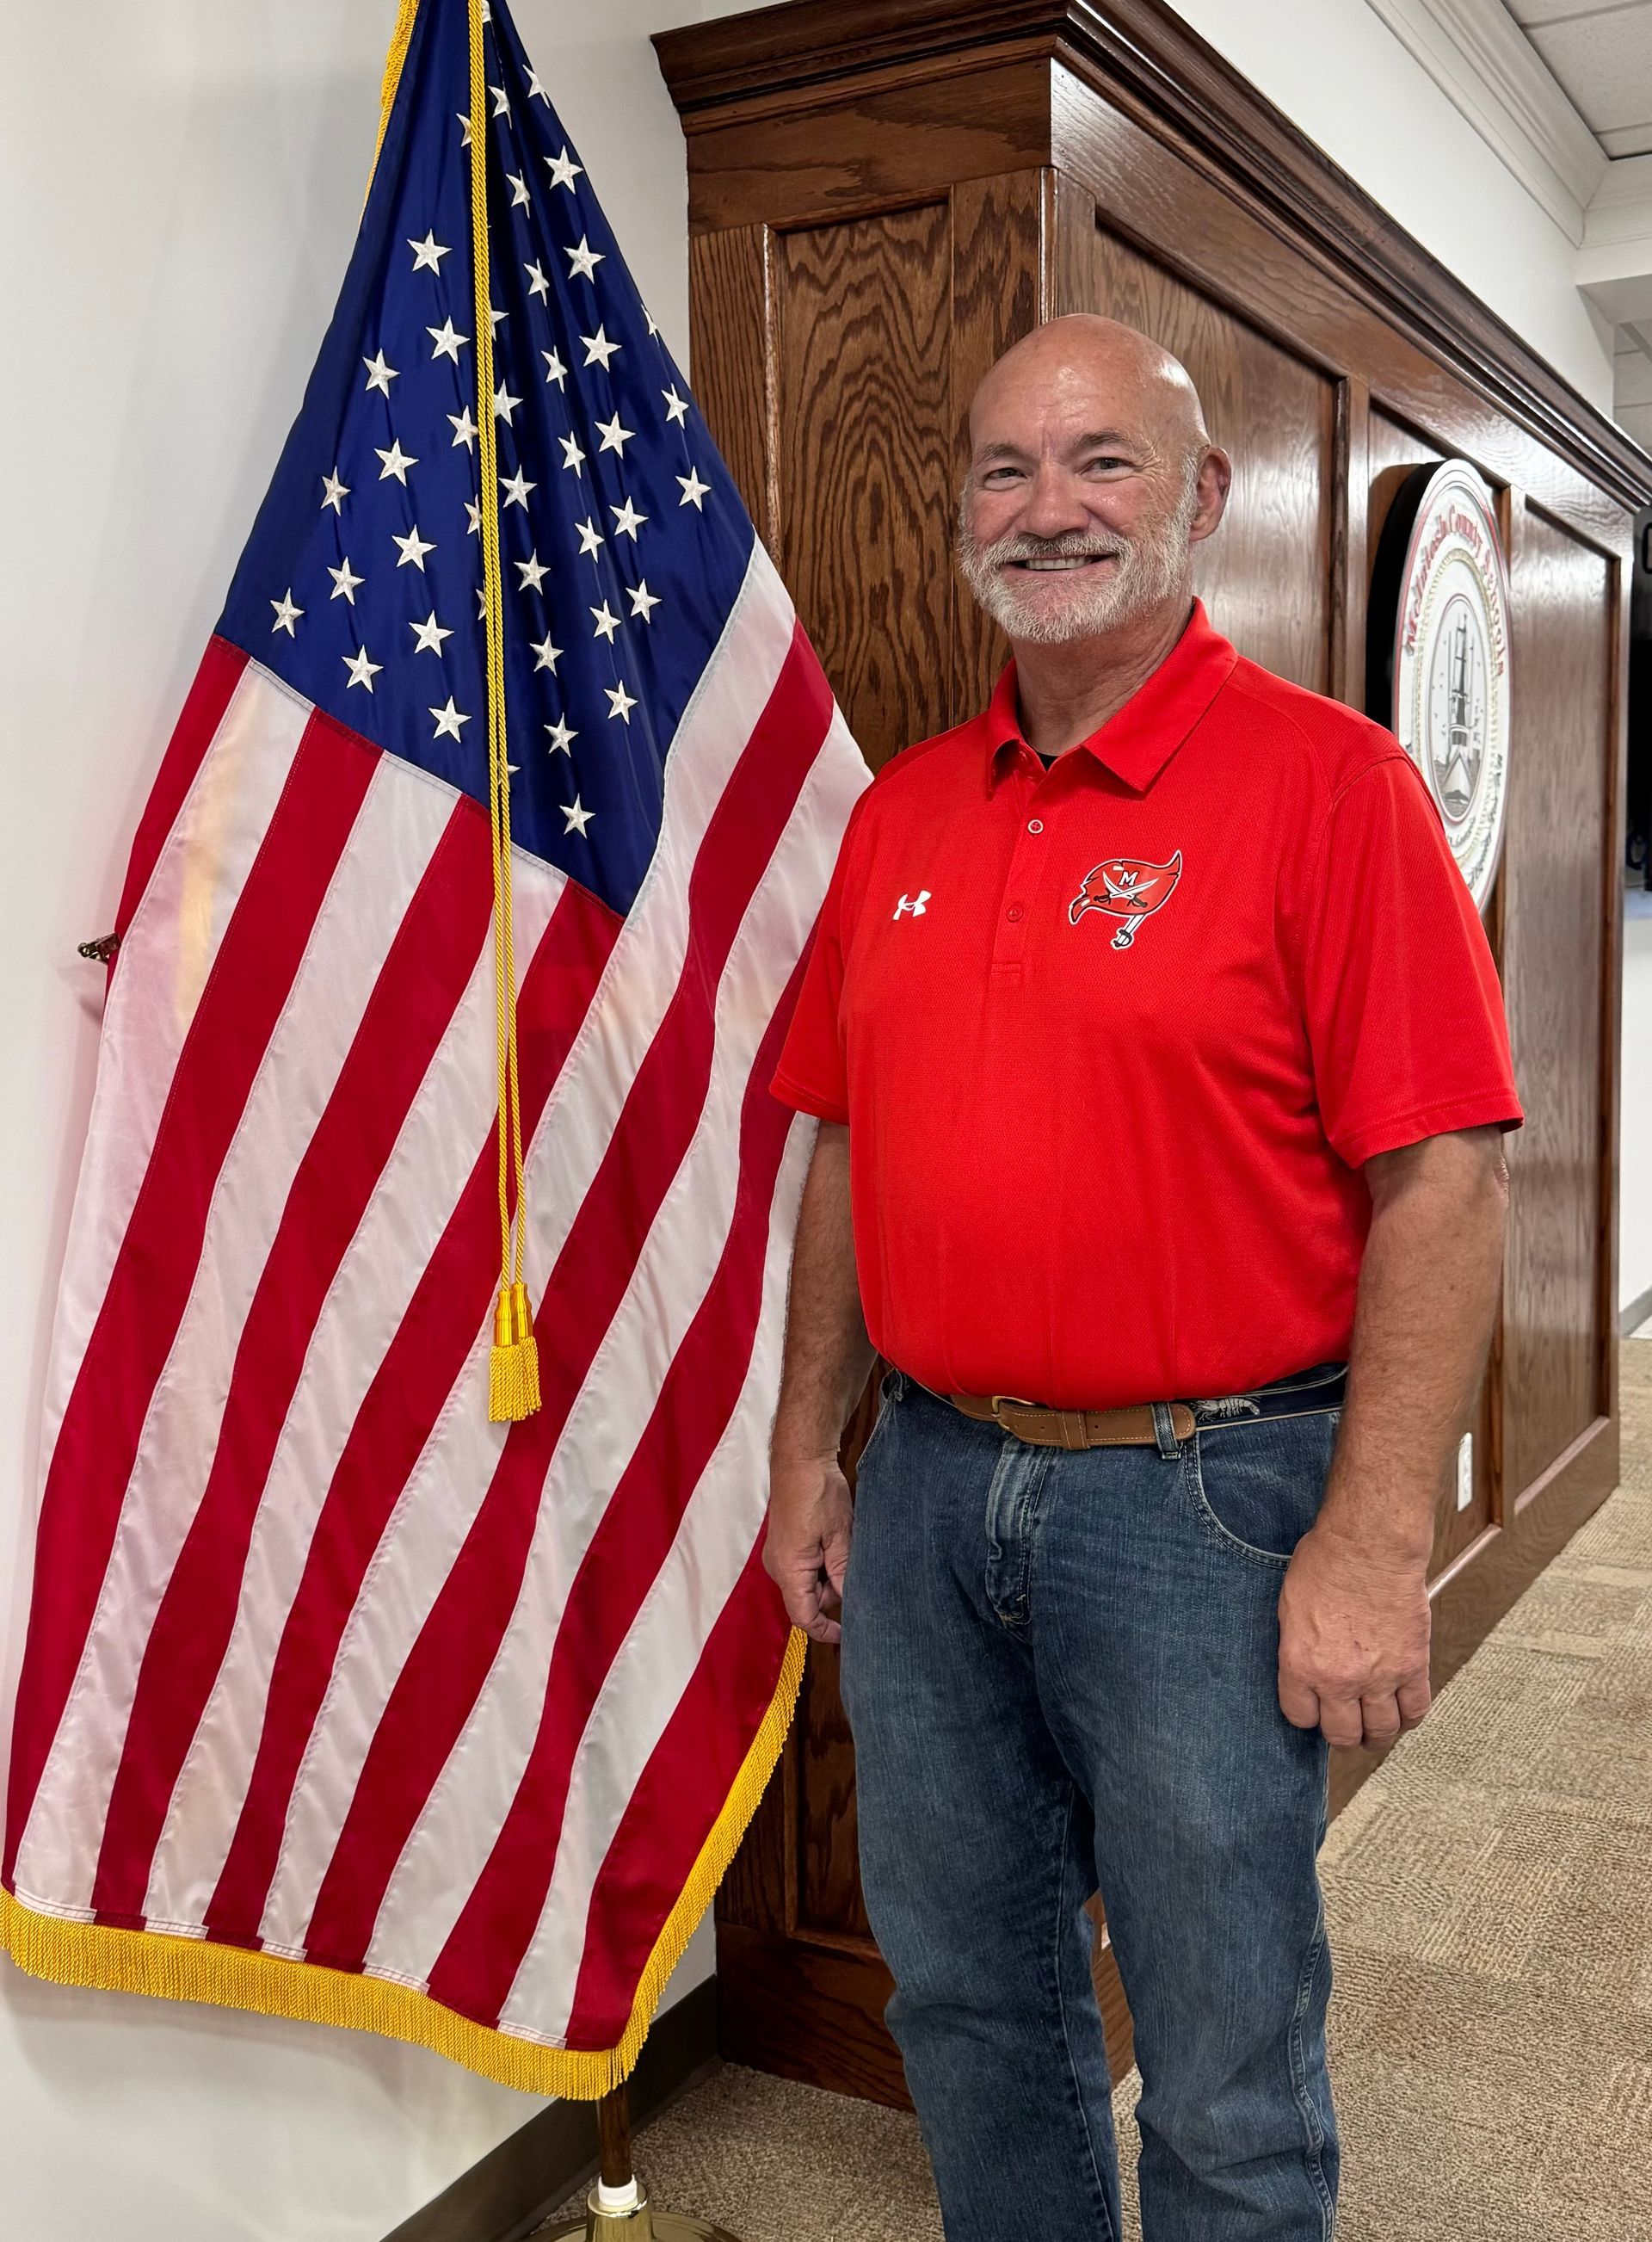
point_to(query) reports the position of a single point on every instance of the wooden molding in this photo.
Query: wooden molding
(1140, 56)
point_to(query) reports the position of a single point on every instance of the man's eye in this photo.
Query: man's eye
(1107, 459)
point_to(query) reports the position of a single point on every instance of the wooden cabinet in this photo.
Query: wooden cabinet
(883, 195)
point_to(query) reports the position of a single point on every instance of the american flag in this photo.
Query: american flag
(338, 1700)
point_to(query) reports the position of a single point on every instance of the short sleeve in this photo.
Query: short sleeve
(1400, 991)
(811, 1076)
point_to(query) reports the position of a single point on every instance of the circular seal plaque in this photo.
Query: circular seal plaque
(1437, 673)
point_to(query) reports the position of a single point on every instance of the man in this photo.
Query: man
(1161, 1069)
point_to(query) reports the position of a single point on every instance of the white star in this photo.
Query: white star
(501, 100)
(572, 455)
(564, 170)
(345, 583)
(693, 490)
(537, 284)
(653, 324)
(430, 633)
(533, 573)
(516, 488)
(465, 126)
(643, 601)
(627, 519)
(473, 515)
(584, 260)
(534, 86)
(481, 603)
(397, 462)
(427, 254)
(590, 537)
(504, 404)
(447, 340)
(547, 654)
(379, 375)
(607, 621)
(412, 548)
(560, 735)
(362, 667)
(676, 406)
(554, 369)
(448, 721)
(335, 492)
(496, 316)
(578, 817)
(285, 614)
(464, 428)
(520, 196)
(598, 349)
(614, 438)
(621, 703)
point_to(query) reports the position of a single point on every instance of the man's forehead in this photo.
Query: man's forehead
(1001, 446)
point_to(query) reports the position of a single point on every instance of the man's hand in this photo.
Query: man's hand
(807, 1549)
(1352, 1639)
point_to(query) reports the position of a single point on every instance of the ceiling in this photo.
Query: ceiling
(1601, 53)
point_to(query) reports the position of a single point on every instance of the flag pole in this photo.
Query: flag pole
(617, 2209)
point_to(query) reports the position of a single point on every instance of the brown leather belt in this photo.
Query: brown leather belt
(1073, 1428)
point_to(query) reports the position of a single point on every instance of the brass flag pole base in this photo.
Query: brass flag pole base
(616, 2209)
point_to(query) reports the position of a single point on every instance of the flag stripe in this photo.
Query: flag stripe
(90, 1463)
(424, 976)
(476, 1966)
(436, 1689)
(435, 1337)
(203, 712)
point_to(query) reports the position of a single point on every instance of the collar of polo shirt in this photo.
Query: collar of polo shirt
(1137, 740)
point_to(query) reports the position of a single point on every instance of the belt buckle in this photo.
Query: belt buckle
(1019, 1400)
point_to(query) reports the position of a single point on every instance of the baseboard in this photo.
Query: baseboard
(1634, 1315)
(520, 2182)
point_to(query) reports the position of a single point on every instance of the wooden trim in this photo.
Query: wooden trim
(1350, 541)
(1632, 1317)
(1142, 58)
(519, 2184)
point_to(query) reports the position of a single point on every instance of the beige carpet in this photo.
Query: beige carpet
(1490, 1900)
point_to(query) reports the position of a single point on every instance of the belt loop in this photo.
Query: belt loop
(1165, 1430)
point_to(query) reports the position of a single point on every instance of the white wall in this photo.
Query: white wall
(183, 180)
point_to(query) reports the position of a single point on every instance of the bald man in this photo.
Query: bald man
(1161, 1069)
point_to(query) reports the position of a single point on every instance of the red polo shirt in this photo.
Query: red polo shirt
(1113, 1039)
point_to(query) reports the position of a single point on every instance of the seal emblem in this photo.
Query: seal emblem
(1126, 888)
(1438, 666)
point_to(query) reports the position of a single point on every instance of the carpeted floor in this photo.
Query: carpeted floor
(1490, 1901)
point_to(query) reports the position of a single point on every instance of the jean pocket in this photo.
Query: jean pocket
(1256, 1483)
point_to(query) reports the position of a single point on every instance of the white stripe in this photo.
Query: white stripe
(647, 1679)
(467, 1806)
(390, 845)
(439, 1503)
(166, 954)
(448, 1122)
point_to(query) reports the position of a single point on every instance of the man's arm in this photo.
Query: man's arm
(1353, 1614)
(828, 1357)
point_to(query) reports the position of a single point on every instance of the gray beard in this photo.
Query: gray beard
(1147, 574)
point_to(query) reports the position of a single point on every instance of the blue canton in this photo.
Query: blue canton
(622, 539)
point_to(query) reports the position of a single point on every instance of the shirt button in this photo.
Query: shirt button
(1035, 824)
(1013, 914)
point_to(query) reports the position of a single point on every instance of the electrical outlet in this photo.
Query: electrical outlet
(1465, 1471)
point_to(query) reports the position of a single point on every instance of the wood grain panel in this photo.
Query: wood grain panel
(1266, 575)
(1554, 940)
(866, 450)
(730, 295)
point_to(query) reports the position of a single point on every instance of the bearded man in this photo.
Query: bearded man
(1161, 1069)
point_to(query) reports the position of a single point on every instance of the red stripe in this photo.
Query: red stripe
(421, 982)
(433, 1694)
(220, 672)
(682, 1791)
(397, 1414)
(476, 1969)
(248, 983)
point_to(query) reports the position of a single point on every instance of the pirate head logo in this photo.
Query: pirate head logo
(1126, 888)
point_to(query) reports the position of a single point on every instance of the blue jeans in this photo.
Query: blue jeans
(1059, 1669)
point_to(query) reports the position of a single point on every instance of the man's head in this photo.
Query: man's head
(1091, 479)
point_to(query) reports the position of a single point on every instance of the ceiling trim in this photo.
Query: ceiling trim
(1483, 62)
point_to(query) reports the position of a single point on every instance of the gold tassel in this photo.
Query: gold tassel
(513, 1360)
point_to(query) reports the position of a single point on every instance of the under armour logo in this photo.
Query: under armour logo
(917, 905)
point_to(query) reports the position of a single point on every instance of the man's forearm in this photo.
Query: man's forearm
(827, 1352)
(1427, 1300)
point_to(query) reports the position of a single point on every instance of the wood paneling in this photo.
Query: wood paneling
(1266, 573)
(1559, 763)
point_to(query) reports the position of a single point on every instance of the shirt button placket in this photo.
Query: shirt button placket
(1021, 885)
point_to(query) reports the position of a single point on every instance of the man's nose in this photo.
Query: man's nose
(1054, 504)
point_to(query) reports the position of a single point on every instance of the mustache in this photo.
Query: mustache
(1075, 544)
